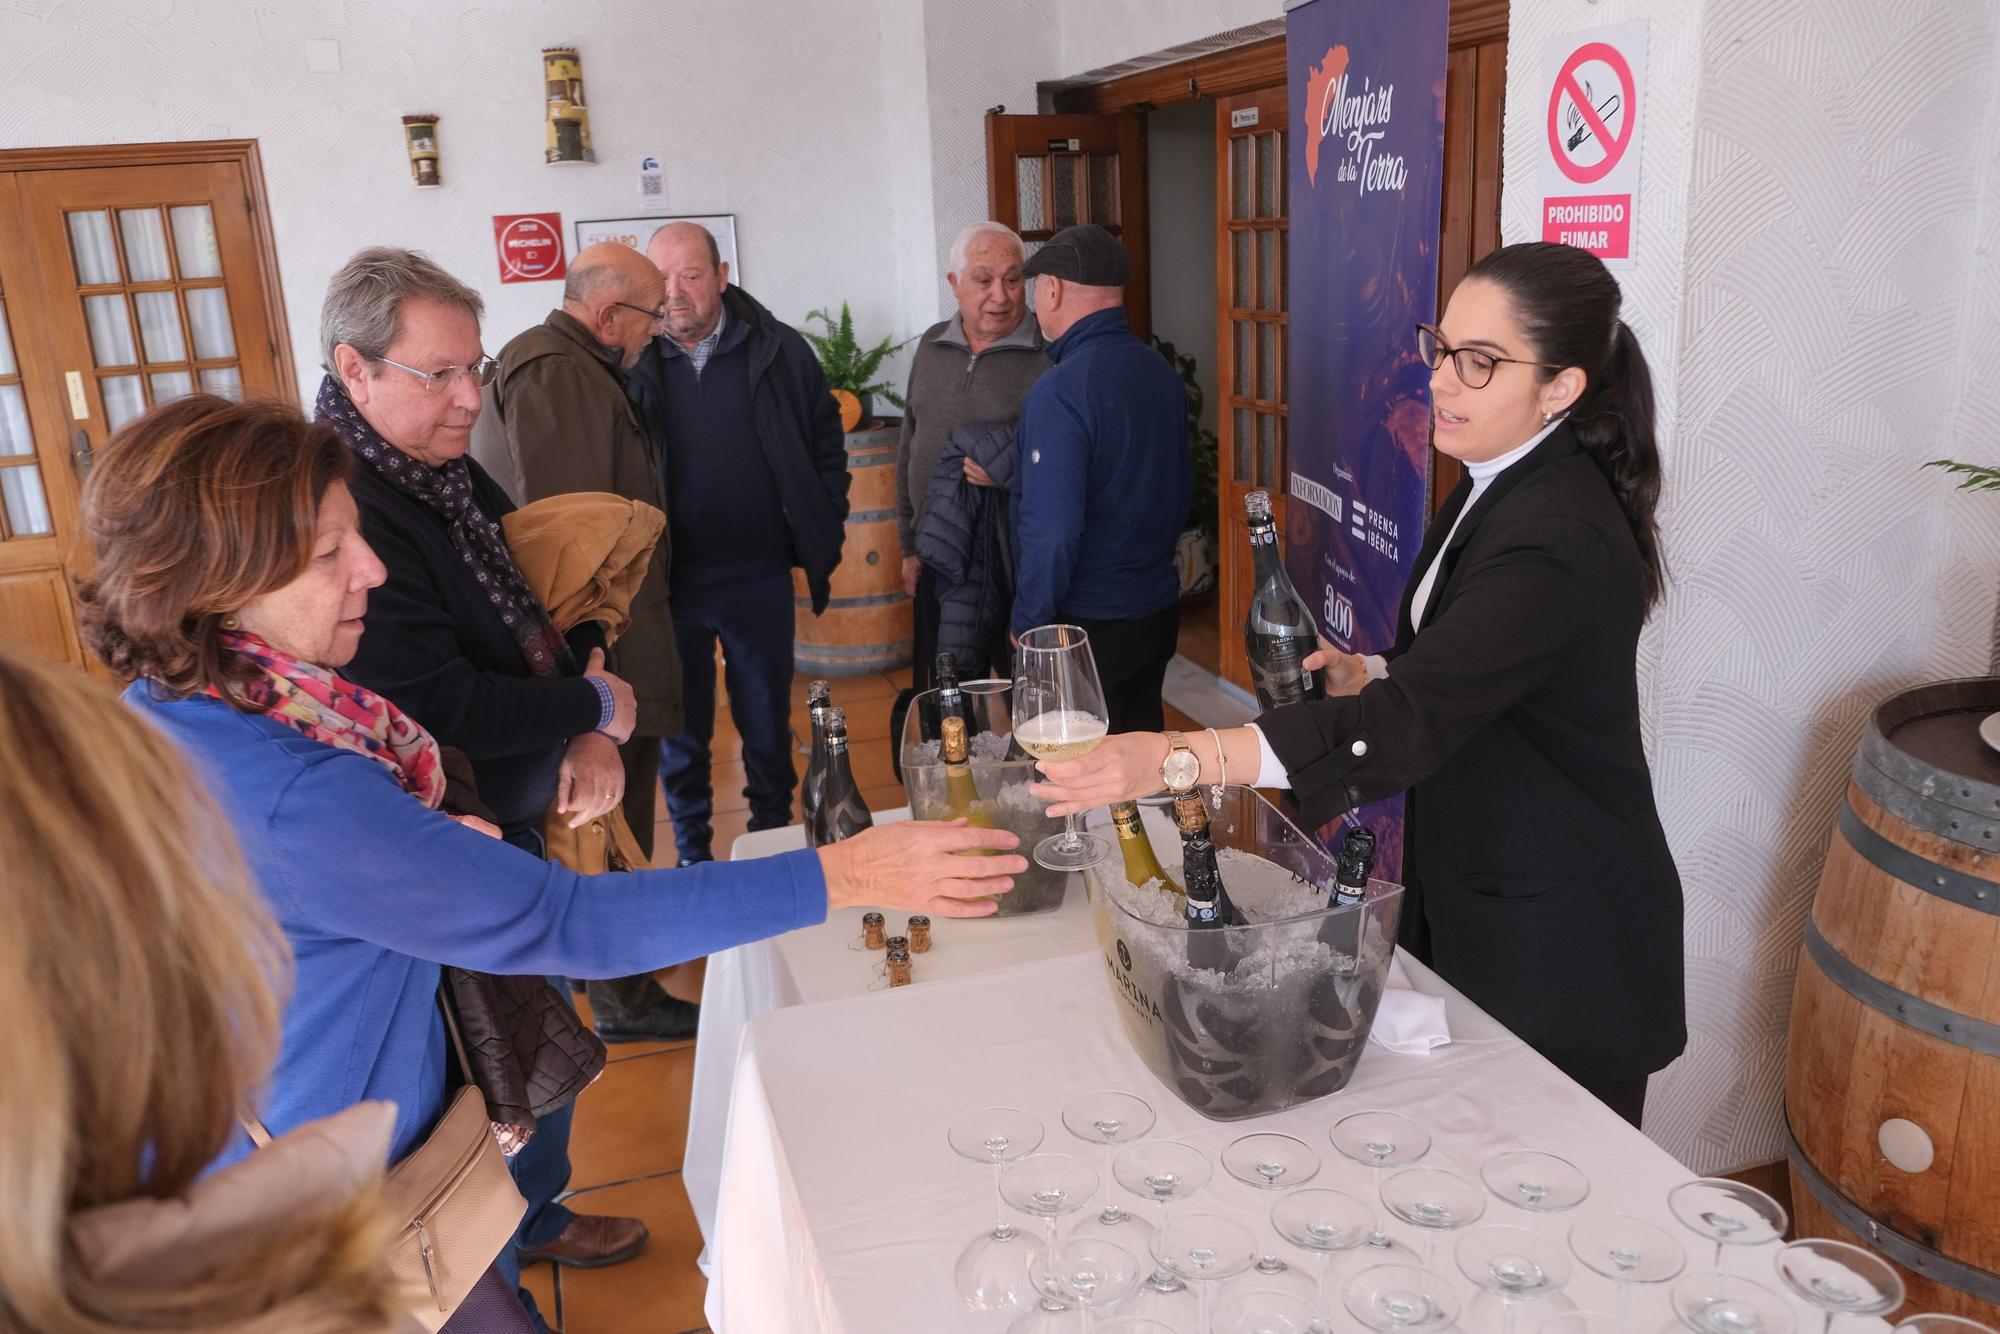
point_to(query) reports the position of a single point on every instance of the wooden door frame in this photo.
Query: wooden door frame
(244, 155)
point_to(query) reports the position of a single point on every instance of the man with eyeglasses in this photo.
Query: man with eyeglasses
(557, 420)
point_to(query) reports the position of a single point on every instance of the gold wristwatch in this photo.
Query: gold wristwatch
(1181, 770)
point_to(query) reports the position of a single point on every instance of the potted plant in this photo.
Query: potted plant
(849, 370)
(1194, 554)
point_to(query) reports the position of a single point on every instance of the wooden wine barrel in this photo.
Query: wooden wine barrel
(1892, 1085)
(867, 625)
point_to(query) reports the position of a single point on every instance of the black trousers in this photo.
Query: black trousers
(1132, 657)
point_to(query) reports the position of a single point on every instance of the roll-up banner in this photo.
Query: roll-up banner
(1366, 91)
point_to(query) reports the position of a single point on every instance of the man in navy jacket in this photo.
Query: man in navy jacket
(1104, 477)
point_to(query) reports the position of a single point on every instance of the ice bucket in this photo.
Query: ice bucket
(1288, 1019)
(1000, 771)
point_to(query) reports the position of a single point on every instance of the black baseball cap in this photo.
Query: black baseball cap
(1085, 254)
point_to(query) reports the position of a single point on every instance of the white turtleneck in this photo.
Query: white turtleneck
(1271, 771)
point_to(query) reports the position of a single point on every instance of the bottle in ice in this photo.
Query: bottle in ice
(950, 698)
(1142, 864)
(842, 813)
(961, 794)
(818, 700)
(1208, 907)
(1213, 1036)
(1335, 1030)
(1357, 863)
(1278, 632)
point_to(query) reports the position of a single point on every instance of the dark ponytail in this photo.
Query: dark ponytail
(1567, 304)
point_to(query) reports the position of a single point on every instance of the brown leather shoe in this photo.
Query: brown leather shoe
(592, 1241)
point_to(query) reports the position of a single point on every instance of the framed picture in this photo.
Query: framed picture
(636, 232)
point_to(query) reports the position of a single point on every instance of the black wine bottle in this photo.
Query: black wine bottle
(1333, 1034)
(1278, 631)
(1208, 909)
(842, 812)
(819, 699)
(1356, 864)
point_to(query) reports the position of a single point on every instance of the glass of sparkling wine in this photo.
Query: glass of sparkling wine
(1059, 714)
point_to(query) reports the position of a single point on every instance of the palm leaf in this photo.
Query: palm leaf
(1975, 476)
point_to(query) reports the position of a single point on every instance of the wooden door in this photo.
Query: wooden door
(131, 285)
(1045, 173)
(1251, 250)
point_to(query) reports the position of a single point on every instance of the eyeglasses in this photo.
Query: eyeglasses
(658, 317)
(445, 378)
(1475, 368)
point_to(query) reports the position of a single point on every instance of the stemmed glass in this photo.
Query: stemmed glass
(1514, 1264)
(1204, 1249)
(1728, 1213)
(1268, 1161)
(1937, 1323)
(1434, 1200)
(1711, 1302)
(992, 1270)
(1059, 714)
(1400, 1299)
(1324, 1222)
(1840, 1279)
(1138, 1324)
(1539, 1183)
(1162, 1170)
(1047, 1186)
(1111, 1118)
(1082, 1274)
(1379, 1140)
(1583, 1322)
(1262, 1311)
(1627, 1251)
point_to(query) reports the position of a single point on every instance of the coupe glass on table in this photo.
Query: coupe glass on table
(992, 1270)
(1271, 1162)
(1434, 1200)
(1728, 1213)
(1323, 1223)
(1400, 1299)
(1080, 1275)
(1538, 1183)
(1112, 1118)
(1203, 1250)
(1380, 1140)
(1059, 714)
(1263, 1311)
(1165, 1171)
(1514, 1265)
(1048, 1186)
(1840, 1279)
(1709, 1301)
(1629, 1251)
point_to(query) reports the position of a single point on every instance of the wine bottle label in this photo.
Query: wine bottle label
(1276, 670)
(1125, 816)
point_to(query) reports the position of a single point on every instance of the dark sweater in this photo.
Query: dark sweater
(723, 506)
(436, 646)
(950, 387)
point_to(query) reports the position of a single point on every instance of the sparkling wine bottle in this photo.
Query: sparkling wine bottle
(1357, 863)
(842, 812)
(1278, 632)
(1332, 1035)
(1215, 1042)
(819, 698)
(961, 794)
(1208, 909)
(1142, 864)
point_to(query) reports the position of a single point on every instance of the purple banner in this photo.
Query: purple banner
(1367, 179)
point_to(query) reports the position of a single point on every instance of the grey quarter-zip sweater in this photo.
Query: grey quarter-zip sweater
(950, 387)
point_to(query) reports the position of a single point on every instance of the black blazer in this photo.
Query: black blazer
(1535, 853)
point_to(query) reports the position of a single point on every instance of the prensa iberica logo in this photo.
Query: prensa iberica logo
(1357, 119)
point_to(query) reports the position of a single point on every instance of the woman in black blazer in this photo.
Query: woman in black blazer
(1541, 881)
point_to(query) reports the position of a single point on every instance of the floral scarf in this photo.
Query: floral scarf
(332, 710)
(475, 535)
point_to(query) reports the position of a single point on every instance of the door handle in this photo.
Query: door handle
(80, 454)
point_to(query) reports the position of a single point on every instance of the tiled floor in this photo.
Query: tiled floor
(631, 1125)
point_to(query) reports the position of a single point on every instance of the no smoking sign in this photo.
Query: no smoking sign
(1590, 145)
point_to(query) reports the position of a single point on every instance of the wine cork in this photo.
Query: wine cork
(872, 931)
(920, 934)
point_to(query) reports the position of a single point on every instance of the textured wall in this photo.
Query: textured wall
(1104, 32)
(770, 110)
(1819, 323)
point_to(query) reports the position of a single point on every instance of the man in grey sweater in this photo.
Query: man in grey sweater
(974, 367)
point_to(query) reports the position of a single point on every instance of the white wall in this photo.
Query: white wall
(1180, 187)
(1819, 321)
(1096, 33)
(770, 110)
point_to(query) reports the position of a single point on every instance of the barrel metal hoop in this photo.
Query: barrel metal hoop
(1961, 1030)
(1915, 790)
(1928, 810)
(1913, 1255)
(842, 604)
(1967, 891)
(870, 516)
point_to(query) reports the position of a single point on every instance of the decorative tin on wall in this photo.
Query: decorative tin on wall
(569, 116)
(420, 138)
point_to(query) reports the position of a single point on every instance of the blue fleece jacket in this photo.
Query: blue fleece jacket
(1104, 479)
(375, 892)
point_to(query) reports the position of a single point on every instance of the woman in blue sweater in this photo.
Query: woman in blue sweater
(230, 586)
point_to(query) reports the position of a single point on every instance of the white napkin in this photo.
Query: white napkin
(1408, 1020)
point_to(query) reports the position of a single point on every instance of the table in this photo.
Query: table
(846, 1208)
(815, 964)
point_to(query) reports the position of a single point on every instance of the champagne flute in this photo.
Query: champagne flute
(1059, 714)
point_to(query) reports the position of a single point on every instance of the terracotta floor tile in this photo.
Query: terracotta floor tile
(540, 1279)
(683, 981)
(660, 1291)
(633, 1120)
(900, 678)
(726, 827)
(727, 779)
(886, 798)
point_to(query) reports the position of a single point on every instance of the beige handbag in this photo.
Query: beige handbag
(456, 1192)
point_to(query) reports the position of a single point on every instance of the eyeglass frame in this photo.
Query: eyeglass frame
(1446, 352)
(658, 317)
(440, 381)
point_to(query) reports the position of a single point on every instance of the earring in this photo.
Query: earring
(231, 623)
(1548, 417)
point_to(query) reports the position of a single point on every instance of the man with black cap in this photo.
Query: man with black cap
(1104, 477)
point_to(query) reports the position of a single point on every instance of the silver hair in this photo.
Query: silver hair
(973, 233)
(364, 302)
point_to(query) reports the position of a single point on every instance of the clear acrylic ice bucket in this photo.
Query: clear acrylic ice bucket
(1288, 1021)
(1002, 783)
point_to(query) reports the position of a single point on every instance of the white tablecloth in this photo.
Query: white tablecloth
(816, 964)
(846, 1208)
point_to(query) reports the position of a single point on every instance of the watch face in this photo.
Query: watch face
(1181, 769)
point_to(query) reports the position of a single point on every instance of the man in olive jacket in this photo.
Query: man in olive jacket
(750, 444)
(557, 420)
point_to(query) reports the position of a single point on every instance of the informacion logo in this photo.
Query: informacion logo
(1322, 498)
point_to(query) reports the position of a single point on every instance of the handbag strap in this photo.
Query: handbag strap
(260, 1134)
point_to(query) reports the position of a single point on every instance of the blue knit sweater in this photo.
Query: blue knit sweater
(375, 892)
